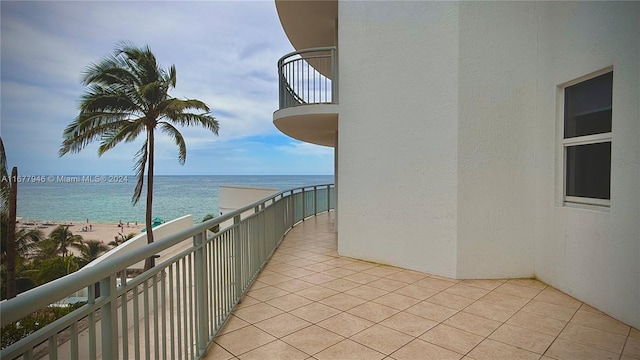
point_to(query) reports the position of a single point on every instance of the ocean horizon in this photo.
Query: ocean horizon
(107, 199)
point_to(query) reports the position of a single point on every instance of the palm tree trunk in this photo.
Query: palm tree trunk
(149, 262)
(11, 235)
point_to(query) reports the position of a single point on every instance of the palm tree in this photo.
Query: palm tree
(128, 94)
(90, 250)
(121, 239)
(64, 239)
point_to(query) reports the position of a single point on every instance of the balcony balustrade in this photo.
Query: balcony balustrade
(308, 76)
(174, 310)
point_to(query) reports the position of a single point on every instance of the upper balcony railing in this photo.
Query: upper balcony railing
(308, 77)
(174, 310)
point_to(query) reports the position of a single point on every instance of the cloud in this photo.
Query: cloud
(225, 53)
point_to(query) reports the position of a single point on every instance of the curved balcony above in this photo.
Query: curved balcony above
(308, 89)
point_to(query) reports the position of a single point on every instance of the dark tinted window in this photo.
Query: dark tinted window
(587, 107)
(589, 170)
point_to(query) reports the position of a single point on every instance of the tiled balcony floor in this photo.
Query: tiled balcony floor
(310, 303)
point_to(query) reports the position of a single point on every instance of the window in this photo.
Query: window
(587, 141)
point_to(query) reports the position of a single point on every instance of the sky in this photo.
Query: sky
(225, 53)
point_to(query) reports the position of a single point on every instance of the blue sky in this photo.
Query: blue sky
(225, 53)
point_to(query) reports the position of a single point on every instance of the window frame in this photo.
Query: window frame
(573, 201)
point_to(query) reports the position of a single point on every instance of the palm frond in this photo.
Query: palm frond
(141, 165)
(127, 132)
(177, 138)
(204, 120)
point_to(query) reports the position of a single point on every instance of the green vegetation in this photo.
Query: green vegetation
(127, 94)
(214, 229)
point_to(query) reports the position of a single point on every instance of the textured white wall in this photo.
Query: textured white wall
(496, 166)
(593, 255)
(398, 124)
(449, 156)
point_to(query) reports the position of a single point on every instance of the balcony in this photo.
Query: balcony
(308, 90)
(265, 289)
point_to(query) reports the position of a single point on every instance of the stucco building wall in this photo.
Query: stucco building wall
(450, 155)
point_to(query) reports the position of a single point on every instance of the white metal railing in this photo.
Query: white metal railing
(174, 310)
(308, 77)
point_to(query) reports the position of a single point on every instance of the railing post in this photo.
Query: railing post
(237, 256)
(334, 76)
(304, 204)
(315, 200)
(200, 289)
(109, 318)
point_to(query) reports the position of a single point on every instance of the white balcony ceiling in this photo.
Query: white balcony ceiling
(309, 23)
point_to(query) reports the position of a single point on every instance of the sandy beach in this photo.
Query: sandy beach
(105, 232)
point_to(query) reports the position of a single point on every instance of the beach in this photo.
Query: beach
(105, 232)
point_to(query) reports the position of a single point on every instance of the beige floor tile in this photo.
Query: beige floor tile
(433, 283)
(372, 311)
(450, 300)
(532, 283)
(276, 350)
(300, 262)
(282, 325)
(387, 284)
(281, 268)
(600, 321)
(257, 312)
(340, 285)
(316, 293)
(490, 311)
(339, 272)
(319, 267)
(491, 350)
(431, 311)
(273, 278)
(517, 290)
(317, 278)
(409, 324)
(539, 323)
(298, 272)
(359, 266)
(342, 301)
(419, 350)
(267, 293)
(236, 342)
(315, 312)
(312, 339)
(246, 301)
(467, 291)
(216, 352)
(523, 338)
(294, 285)
(451, 338)
(396, 301)
(487, 284)
(472, 323)
(596, 338)
(289, 302)
(565, 349)
(366, 292)
(553, 296)
(407, 276)
(634, 333)
(348, 350)
(345, 324)
(632, 347)
(361, 278)
(550, 310)
(503, 299)
(382, 339)
(233, 323)
(382, 270)
(416, 292)
(257, 285)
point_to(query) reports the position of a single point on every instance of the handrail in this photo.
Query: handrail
(180, 304)
(308, 76)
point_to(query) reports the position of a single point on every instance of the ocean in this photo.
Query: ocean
(108, 199)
